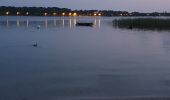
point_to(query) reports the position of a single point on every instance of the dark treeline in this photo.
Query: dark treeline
(55, 11)
(36, 11)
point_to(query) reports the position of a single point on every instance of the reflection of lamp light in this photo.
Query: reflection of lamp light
(7, 13)
(18, 13)
(55, 22)
(99, 22)
(63, 22)
(63, 14)
(54, 14)
(27, 13)
(7, 23)
(95, 22)
(27, 23)
(75, 21)
(70, 23)
(46, 23)
(45, 14)
(18, 24)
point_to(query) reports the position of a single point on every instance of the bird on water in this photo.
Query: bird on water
(35, 45)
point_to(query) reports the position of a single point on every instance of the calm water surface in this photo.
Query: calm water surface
(80, 62)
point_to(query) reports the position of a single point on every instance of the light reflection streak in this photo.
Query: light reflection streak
(7, 22)
(70, 23)
(46, 23)
(55, 23)
(27, 23)
(63, 22)
(18, 23)
(99, 23)
(74, 21)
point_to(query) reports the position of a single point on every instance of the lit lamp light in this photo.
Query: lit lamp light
(63, 14)
(27, 13)
(7, 13)
(99, 14)
(70, 14)
(45, 14)
(74, 14)
(54, 14)
(95, 14)
(18, 13)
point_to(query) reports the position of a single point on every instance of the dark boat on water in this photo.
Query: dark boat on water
(84, 24)
(35, 45)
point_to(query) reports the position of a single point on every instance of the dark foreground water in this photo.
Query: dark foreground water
(80, 62)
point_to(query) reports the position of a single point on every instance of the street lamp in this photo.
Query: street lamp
(7, 13)
(63, 14)
(18, 13)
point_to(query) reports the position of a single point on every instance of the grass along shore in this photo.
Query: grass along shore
(143, 23)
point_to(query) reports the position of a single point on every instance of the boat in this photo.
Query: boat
(84, 24)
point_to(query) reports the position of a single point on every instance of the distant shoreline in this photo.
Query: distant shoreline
(56, 11)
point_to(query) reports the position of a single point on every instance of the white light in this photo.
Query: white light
(27, 13)
(7, 13)
(18, 13)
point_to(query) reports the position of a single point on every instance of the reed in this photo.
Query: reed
(143, 23)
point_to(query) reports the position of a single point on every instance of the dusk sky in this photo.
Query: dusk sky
(127, 5)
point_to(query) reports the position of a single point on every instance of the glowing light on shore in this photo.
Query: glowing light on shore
(18, 13)
(95, 14)
(27, 13)
(70, 14)
(54, 14)
(74, 14)
(45, 14)
(7, 13)
(99, 14)
(63, 14)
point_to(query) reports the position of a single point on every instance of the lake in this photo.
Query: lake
(73, 62)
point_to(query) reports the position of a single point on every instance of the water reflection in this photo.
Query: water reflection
(75, 21)
(55, 23)
(18, 23)
(27, 23)
(99, 21)
(64, 22)
(7, 22)
(70, 22)
(95, 22)
(46, 23)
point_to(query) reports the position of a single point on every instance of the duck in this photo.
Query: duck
(130, 27)
(38, 26)
(35, 45)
